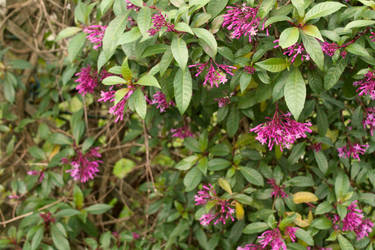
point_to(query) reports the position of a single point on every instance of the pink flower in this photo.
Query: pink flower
(181, 132)
(372, 37)
(13, 196)
(242, 21)
(354, 221)
(117, 109)
(47, 218)
(295, 50)
(281, 130)
(329, 48)
(273, 239)
(84, 166)
(221, 211)
(161, 101)
(214, 76)
(39, 173)
(95, 34)
(364, 229)
(291, 233)
(135, 236)
(249, 69)
(223, 101)
(159, 21)
(129, 6)
(369, 121)
(353, 151)
(366, 85)
(87, 80)
(249, 247)
(278, 191)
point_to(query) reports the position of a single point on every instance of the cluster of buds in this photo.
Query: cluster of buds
(366, 86)
(181, 132)
(159, 99)
(352, 150)
(159, 21)
(294, 51)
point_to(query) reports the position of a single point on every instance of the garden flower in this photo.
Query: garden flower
(119, 108)
(47, 218)
(84, 166)
(329, 48)
(354, 221)
(130, 6)
(273, 239)
(291, 233)
(39, 173)
(13, 196)
(214, 76)
(242, 21)
(221, 211)
(366, 85)
(369, 121)
(364, 229)
(87, 79)
(295, 50)
(181, 132)
(281, 130)
(159, 21)
(372, 37)
(95, 34)
(161, 101)
(278, 191)
(353, 151)
(249, 69)
(222, 101)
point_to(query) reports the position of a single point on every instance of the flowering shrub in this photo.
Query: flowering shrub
(201, 124)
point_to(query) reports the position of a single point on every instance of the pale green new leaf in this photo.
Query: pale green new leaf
(295, 92)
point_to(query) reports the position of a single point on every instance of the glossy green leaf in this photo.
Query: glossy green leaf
(183, 89)
(295, 92)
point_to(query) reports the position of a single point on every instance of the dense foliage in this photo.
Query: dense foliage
(196, 125)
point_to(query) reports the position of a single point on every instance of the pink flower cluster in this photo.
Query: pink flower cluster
(367, 85)
(214, 76)
(161, 102)
(281, 130)
(181, 132)
(223, 209)
(329, 48)
(95, 34)
(84, 166)
(242, 21)
(353, 151)
(295, 50)
(119, 108)
(249, 69)
(159, 21)
(37, 173)
(272, 238)
(87, 79)
(369, 121)
(130, 6)
(278, 191)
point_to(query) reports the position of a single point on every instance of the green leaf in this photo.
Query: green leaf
(275, 19)
(192, 179)
(98, 208)
(58, 238)
(322, 223)
(218, 164)
(215, 7)
(67, 32)
(144, 21)
(180, 51)
(123, 167)
(112, 35)
(139, 103)
(314, 49)
(183, 89)
(75, 46)
(322, 9)
(252, 176)
(273, 64)
(357, 49)
(125, 70)
(60, 139)
(165, 61)
(295, 92)
(207, 40)
(323, 208)
(313, 31)
(9, 87)
(37, 153)
(37, 238)
(233, 121)
(244, 199)
(344, 243)
(113, 80)
(321, 160)
(78, 197)
(300, 6)
(187, 163)
(333, 74)
(69, 212)
(130, 36)
(200, 19)
(305, 236)
(265, 7)
(183, 27)
(342, 185)
(224, 184)
(105, 5)
(359, 23)
(20, 64)
(288, 37)
(148, 80)
(256, 227)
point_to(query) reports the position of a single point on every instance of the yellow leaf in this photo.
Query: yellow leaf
(304, 197)
(224, 184)
(240, 212)
(54, 152)
(299, 221)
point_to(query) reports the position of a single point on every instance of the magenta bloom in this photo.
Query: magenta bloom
(242, 21)
(13, 196)
(84, 166)
(295, 50)
(135, 236)
(366, 85)
(161, 102)
(214, 76)
(47, 218)
(119, 108)
(87, 79)
(291, 233)
(364, 229)
(181, 132)
(372, 37)
(221, 211)
(278, 191)
(95, 34)
(159, 21)
(329, 48)
(38, 173)
(129, 6)
(353, 151)
(273, 239)
(249, 69)
(369, 121)
(222, 101)
(281, 130)
(354, 221)
(249, 247)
